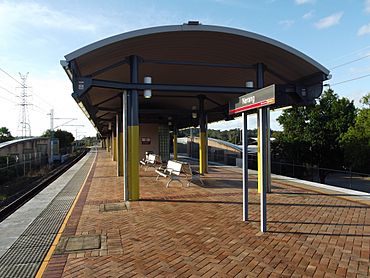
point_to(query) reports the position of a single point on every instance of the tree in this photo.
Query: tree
(5, 134)
(65, 138)
(312, 134)
(290, 144)
(356, 141)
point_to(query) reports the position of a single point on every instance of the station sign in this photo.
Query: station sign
(257, 99)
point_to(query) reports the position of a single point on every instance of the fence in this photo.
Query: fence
(345, 179)
(15, 166)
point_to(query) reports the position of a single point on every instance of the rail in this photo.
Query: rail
(19, 199)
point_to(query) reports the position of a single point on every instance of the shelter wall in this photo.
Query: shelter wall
(149, 131)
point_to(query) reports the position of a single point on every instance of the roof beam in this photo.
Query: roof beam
(82, 85)
(199, 64)
(100, 71)
(106, 100)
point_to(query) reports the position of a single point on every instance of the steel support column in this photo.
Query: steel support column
(245, 167)
(263, 126)
(119, 143)
(114, 144)
(206, 140)
(125, 147)
(133, 133)
(202, 137)
(175, 143)
(109, 143)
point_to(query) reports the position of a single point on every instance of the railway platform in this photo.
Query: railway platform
(196, 231)
(27, 234)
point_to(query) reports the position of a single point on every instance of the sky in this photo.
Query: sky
(35, 36)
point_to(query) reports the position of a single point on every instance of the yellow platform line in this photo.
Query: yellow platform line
(48, 256)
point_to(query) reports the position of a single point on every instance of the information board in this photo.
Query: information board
(254, 100)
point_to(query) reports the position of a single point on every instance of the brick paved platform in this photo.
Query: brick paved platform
(197, 231)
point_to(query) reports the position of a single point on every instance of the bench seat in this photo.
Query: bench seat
(151, 160)
(176, 170)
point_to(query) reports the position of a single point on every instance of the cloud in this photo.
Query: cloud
(367, 6)
(364, 29)
(308, 15)
(302, 2)
(286, 23)
(329, 21)
(37, 15)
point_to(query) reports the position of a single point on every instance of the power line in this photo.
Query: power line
(5, 89)
(43, 100)
(11, 77)
(41, 109)
(8, 100)
(349, 80)
(349, 54)
(350, 62)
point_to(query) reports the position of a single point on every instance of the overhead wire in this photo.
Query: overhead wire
(5, 89)
(40, 108)
(8, 99)
(9, 75)
(350, 62)
(13, 78)
(349, 54)
(349, 80)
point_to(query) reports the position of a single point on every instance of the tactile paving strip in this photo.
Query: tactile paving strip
(25, 256)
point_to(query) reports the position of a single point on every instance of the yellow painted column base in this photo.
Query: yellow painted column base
(133, 163)
(175, 147)
(120, 154)
(114, 148)
(202, 153)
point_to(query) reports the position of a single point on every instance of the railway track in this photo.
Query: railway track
(39, 185)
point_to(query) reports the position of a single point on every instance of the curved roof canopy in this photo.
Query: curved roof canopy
(186, 61)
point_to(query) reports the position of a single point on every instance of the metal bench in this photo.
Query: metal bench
(151, 160)
(175, 170)
(191, 174)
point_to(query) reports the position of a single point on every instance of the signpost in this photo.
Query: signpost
(261, 98)
(254, 100)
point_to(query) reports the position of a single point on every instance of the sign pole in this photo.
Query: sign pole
(259, 100)
(262, 129)
(245, 167)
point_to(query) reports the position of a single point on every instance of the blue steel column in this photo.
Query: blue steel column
(133, 133)
(125, 145)
(175, 133)
(245, 167)
(262, 113)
